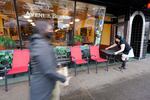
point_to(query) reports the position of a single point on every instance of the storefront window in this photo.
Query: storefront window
(57, 12)
(89, 23)
(87, 28)
(8, 24)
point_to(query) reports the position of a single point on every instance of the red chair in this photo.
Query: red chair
(76, 57)
(95, 56)
(20, 64)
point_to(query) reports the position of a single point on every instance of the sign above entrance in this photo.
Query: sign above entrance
(40, 15)
(148, 5)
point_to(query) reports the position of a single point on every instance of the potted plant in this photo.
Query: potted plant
(61, 51)
(6, 43)
(77, 39)
(5, 58)
(62, 54)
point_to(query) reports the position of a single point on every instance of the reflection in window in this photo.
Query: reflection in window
(89, 22)
(8, 25)
(57, 12)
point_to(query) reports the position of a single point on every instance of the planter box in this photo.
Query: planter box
(77, 43)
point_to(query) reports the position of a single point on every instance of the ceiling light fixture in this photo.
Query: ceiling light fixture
(30, 20)
(71, 23)
(33, 24)
(77, 20)
(26, 16)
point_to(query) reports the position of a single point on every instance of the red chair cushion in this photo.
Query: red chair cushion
(95, 55)
(16, 70)
(20, 61)
(94, 52)
(76, 52)
(82, 61)
(99, 60)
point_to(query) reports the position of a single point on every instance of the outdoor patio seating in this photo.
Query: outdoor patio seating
(95, 56)
(76, 57)
(20, 64)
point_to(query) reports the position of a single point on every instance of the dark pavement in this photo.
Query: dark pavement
(131, 84)
(133, 89)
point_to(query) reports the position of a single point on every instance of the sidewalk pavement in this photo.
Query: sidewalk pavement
(80, 86)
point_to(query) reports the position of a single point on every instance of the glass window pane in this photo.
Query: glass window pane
(58, 13)
(89, 23)
(8, 25)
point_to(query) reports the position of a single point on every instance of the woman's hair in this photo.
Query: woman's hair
(118, 37)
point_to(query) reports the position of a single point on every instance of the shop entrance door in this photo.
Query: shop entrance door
(148, 46)
(136, 35)
(147, 37)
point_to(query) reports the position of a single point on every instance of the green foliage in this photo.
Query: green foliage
(77, 38)
(7, 42)
(5, 58)
(62, 51)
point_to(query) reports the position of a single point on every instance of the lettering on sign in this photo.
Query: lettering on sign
(41, 15)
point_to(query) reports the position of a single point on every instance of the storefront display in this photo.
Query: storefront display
(61, 14)
(90, 22)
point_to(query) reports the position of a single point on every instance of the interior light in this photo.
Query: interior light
(57, 30)
(148, 5)
(77, 20)
(26, 16)
(29, 20)
(64, 17)
(67, 25)
(88, 15)
(71, 23)
(33, 24)
(60, 21)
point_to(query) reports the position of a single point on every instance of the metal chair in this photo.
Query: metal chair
(95, 56)
(20, 64)
(76, 57)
